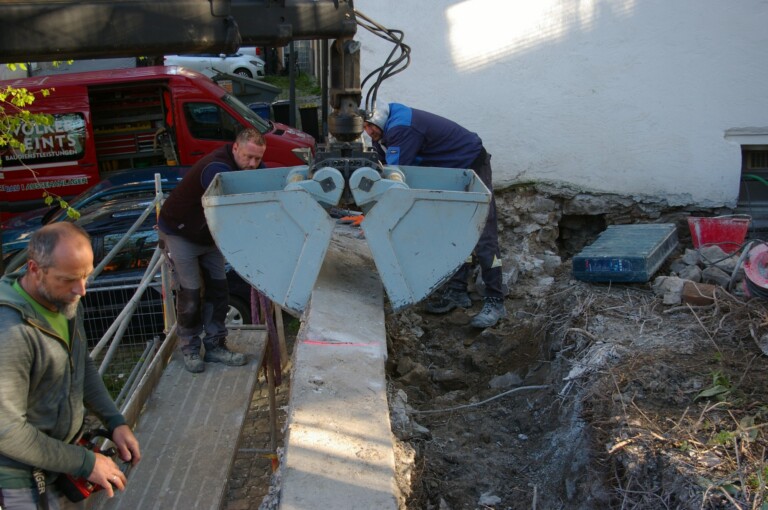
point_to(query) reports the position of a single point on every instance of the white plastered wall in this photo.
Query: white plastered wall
(625, 96)
(6, 73)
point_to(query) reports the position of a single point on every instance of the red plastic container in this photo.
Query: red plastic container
(727, 232)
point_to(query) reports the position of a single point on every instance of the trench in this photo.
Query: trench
(489, 445)
(490, 448)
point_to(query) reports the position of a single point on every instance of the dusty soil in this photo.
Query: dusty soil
(587, 396)
(644, 405)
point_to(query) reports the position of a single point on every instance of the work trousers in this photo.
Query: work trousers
(487, 249)
(28, 499)
(202, 293)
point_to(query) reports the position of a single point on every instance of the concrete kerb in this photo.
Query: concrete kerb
(339, 449)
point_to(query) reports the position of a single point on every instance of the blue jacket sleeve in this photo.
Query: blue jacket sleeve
(403, 144)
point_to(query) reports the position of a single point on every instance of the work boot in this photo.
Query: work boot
(220, 354)
(493, 311)
(448, 300)
(193, 363)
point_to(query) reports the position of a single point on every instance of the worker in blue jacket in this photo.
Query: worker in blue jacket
(410, 137)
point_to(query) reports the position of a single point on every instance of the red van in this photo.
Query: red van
(127, 118)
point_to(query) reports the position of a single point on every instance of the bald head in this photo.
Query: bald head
(59, 261)
(43, 243)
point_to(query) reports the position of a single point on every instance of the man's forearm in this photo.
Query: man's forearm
(97, 398)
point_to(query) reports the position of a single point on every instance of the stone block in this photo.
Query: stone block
(712, 254)
(715, 276)
(692, 273)
(691, 257)
(670, 289)
(698, 294)
(677, 265)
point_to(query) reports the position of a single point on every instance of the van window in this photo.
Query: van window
(62, 140)
(249, 115)
(209, 121)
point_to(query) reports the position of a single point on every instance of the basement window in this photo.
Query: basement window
(754, 174)
(753, 190)
(755, 158)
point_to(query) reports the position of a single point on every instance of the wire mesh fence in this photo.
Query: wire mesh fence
(103, 304)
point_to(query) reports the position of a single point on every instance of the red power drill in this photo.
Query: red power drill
(77, 489)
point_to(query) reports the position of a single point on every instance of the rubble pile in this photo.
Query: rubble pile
(698, 274)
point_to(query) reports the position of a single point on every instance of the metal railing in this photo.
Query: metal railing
(124, 346)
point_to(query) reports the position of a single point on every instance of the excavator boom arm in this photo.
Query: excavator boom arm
(48, 30)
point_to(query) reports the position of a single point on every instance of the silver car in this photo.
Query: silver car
(211, 64)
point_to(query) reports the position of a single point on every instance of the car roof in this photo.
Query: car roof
(133, 175)
(102, 218)
(18, 229)
(114, 216)
(121, 181)
(102, 77)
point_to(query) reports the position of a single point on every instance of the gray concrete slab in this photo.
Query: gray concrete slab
(339, 450)
(188, 433)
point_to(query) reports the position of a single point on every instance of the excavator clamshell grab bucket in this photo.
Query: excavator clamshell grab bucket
(273, 231)
(419, 235)
(276, 240)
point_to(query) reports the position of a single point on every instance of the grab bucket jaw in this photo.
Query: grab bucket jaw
(421, 225)
(421, 233)
(275, 239)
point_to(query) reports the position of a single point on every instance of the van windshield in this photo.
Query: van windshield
(249, 115)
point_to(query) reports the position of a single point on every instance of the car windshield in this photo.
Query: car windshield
(251, 116)
(99, 196)
(58, 214)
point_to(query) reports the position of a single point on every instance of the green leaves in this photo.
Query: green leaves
(73, 213)
(14, 114)
(720, 389)
(49, 198)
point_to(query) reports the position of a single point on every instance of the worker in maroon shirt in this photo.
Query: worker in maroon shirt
(202, 293)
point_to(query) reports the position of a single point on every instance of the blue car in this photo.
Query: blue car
(107, 211)
(127, 184)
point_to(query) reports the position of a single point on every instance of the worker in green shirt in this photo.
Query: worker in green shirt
(47, 376)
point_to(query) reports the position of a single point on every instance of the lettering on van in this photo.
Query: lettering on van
(62, 140)
(56, 183)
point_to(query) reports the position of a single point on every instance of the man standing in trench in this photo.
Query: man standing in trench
(202, 298)
(406, 136)
(47, 375)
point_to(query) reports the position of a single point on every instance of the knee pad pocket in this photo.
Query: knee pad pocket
(188, 307)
